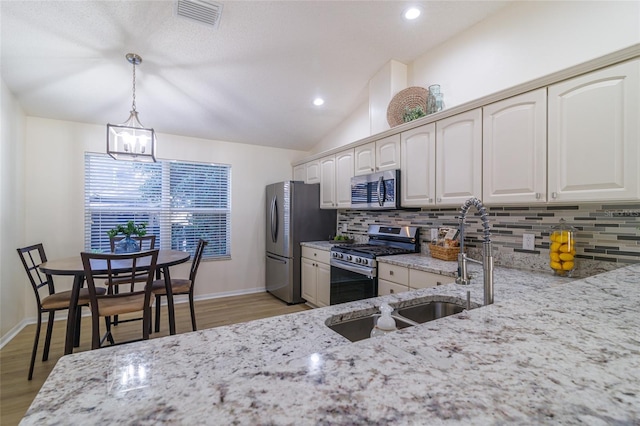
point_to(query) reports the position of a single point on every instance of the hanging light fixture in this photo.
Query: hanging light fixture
(131, 140)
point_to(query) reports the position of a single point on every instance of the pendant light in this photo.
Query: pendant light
(131, 140)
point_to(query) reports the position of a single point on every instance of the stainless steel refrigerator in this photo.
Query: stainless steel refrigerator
(293, 216)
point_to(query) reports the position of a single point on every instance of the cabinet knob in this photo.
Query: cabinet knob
(554, 195)
(315, 254)
(372, 169)
(392, 291)
(390, 272)
(439, 200)
(438, 283)
(537, 195)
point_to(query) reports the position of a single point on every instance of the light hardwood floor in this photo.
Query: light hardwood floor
(17, 393)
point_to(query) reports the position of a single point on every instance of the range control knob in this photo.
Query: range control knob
(349, 257)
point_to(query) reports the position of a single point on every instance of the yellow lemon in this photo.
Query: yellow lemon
(565, 248)
(567, 266)
(566, 256)
(564, 238)
(555, 247)
(573, 251)
(553, 237)
(556, 265)
(555, 257)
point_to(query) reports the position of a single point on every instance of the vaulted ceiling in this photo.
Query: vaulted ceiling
(251, 79)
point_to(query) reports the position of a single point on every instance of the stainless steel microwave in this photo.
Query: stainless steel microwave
(376, 191)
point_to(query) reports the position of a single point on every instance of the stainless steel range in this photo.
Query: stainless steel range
(354, 267)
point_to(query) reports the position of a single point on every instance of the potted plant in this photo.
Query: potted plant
(128, 244)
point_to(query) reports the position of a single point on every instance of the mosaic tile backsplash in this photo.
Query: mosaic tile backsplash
(608, 235)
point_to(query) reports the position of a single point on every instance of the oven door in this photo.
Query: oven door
(350, 283)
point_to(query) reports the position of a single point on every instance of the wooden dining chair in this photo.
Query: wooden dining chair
(180, 286)
(32, 257)
(108, 266)
(147, 242)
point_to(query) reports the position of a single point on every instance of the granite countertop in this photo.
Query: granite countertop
(321, 245)
(548, 351)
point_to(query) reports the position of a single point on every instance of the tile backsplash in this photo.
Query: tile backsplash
(608, 235)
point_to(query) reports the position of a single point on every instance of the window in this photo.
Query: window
(180, 202)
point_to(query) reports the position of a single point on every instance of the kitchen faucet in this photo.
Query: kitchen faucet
(487, 257)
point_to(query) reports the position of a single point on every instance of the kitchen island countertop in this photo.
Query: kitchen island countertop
(550, 350)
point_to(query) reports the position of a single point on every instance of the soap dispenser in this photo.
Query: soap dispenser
(385, 323)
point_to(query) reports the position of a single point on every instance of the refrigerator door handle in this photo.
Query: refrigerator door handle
(277, 260)
(274, 220)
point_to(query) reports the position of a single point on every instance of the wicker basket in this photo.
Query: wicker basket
(444, 253)
(410, 97)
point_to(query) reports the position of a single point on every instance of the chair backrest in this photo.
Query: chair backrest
(147, 242)
(111, 266)
(32, 257)
(197, 257)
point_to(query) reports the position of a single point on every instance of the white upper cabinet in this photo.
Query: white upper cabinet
(300, 172)
(593, 136)
(313, 172)
(388, 153)
(344, 173)
(459, 158)
(418, 166)
(336, 172)
(377, 156)
(365, 159)
(328, 182)
(515, 149)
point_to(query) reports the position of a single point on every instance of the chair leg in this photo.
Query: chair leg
(107, 321)
(157, 314)
(76, 337)
(47, 339)
(35, 345)
(146, 322)
(193, 312)
(95, 331)
(116, 290)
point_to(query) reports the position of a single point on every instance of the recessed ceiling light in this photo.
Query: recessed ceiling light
(411, 13)
(318, 101)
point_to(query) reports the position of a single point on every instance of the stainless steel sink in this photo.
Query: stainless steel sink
(360, 328)
(356, 329)
(429, 311)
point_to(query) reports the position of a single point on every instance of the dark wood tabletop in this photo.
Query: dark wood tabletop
(73, 265)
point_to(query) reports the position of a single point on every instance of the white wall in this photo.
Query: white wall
(14, 287)
(54, 203)
(522, 42)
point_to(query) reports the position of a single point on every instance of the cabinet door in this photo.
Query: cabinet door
(418, 166)
(424, 279)
(300, 172)
(344, 173)
(323, 284)
(459, 158)
(387, 287)
(388, 153)
(313, 172)
(514, 149)
(309, 280)
(593, 136)
(328, 182)
(365, 159)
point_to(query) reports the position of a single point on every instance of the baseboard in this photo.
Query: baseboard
(6, 338)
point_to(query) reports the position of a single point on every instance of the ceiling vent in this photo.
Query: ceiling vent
(203, 11)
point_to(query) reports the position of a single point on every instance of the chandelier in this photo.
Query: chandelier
(131, 140)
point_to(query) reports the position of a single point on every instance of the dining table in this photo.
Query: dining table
(72, 266)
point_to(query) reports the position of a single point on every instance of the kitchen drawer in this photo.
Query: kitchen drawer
(387, 287)
(393, 273)
(423, 279)
(315, 254)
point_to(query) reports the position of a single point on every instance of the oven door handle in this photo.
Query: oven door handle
(368, 272)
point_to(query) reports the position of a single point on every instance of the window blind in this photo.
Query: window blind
(180, 202)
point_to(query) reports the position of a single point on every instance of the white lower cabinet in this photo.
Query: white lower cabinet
(392, 279)
(315, 276)
(422, 279)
